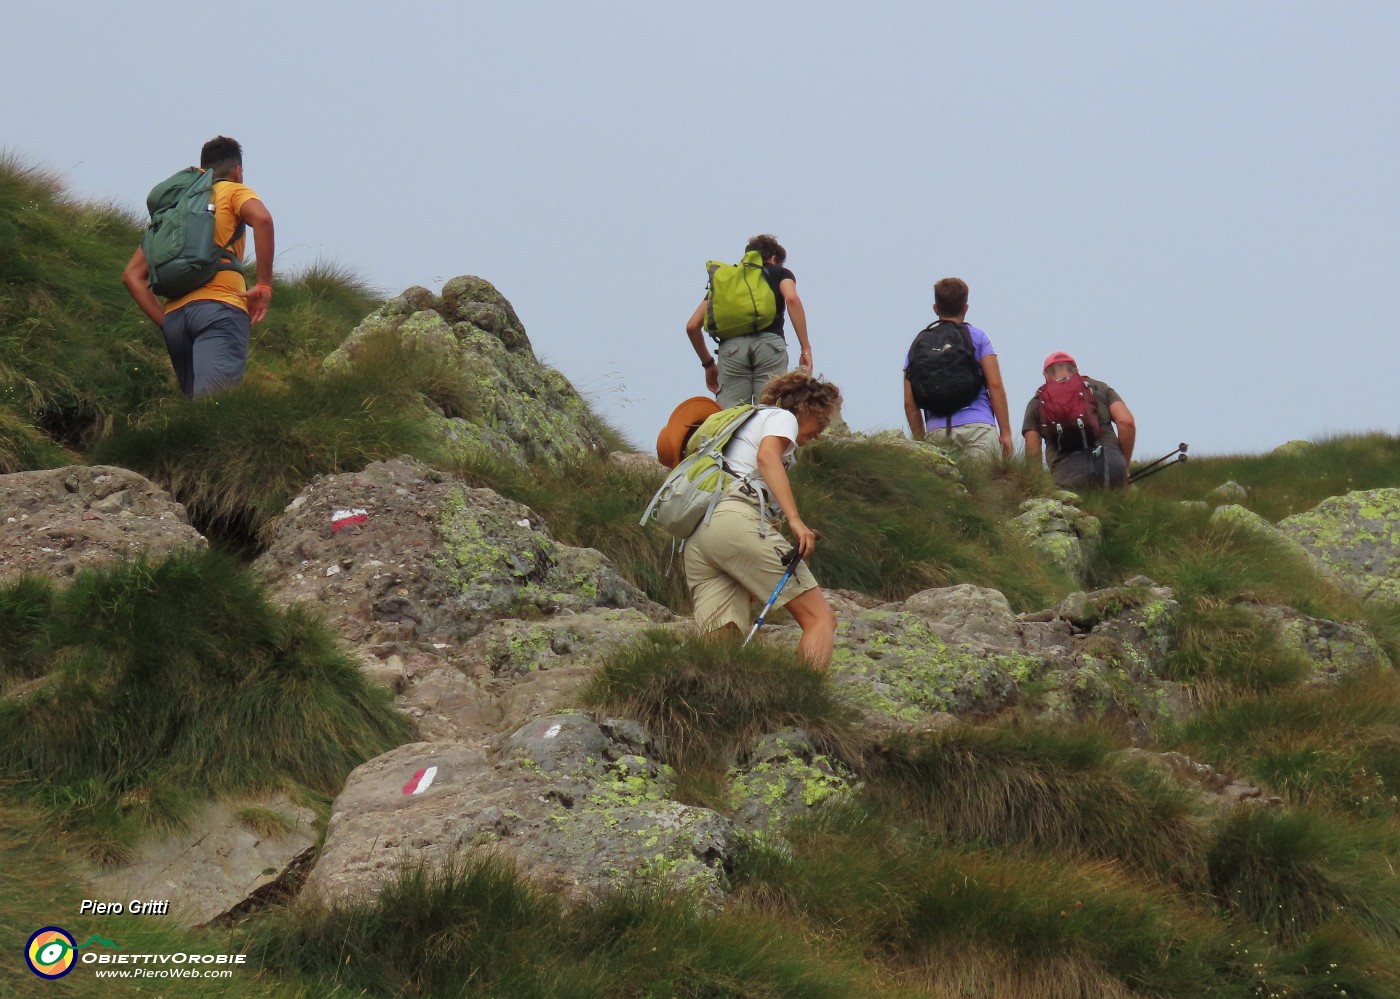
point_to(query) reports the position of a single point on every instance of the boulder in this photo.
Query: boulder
(781, 779)
(1336, 649)
(399, 552)
(1228, 492)
(228, 852)
(1355, 539)
(516, 410)
(579, 807)
(60, 520)
(1060, 531)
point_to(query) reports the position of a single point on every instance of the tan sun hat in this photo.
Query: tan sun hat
(670, 443)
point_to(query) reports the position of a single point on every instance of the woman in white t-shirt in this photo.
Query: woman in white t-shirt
(738, 554)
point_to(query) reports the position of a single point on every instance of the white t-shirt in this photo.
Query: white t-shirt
(741, 454)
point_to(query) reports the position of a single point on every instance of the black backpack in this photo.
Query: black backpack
(943, 370)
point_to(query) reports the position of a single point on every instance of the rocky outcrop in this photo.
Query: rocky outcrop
(960, 651)
(1355, 539)
(225, 855)
(1336, 649)
(400, 552)
(58, 521)
(580, 807)
(1060, 531)
(507, 407)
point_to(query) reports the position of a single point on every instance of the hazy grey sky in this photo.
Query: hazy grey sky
(1196, 199)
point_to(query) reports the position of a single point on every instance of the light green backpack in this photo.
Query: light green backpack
(740, 299)
(690, 493)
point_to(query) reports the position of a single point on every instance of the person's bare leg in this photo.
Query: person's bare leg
(818, 622)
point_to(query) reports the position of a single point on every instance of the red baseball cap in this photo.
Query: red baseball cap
(1059, 357)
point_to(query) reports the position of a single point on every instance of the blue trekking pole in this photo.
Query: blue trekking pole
(790, 560)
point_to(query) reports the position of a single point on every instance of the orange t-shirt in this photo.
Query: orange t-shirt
(229, 199)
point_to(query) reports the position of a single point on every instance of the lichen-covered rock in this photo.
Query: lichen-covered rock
(1355, 539)
(419, 556)
(577, 806)
(1290, 448)
(1335, 648)
(893, 663)
(515, 410)
(1060, 531)
(60, 520)
(1228, 492)
(966, 614)
(959, 651)
(782, 778)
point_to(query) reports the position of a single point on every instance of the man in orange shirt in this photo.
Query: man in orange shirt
(206, 331)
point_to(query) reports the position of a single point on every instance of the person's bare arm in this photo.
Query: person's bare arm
(770, 466)
(695, 329)
(1033, 452)
(254, 213)
(912, 413)
(1127, 429)
(996, 392)
(137, 278)
(798, 315)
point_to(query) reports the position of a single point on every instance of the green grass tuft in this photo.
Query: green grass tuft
(159, 683)
(477, 929)
(705, 698)
(1051, 790)
(1291, 872)
(891, 526)
(237, 458)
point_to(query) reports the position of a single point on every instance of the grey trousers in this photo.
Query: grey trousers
(208, 346)
(746, 363)
(1104, 469)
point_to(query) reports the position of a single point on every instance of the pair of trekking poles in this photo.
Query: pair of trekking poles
(1153, 467)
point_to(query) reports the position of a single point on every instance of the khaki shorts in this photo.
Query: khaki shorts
(974, 440)
(727, 562)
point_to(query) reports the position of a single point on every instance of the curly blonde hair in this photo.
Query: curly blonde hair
(800, 392)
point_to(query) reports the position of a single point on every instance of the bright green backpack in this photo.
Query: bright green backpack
(181, 255)
(740, 298)
(694, 488)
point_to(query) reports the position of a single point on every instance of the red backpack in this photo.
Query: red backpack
(1069, 415)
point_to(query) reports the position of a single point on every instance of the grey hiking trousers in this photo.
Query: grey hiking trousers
(746, 363)
(208, 346)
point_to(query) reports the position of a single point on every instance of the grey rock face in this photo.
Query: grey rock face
(1060, 531)
(429, 558)
(1228, 492)
(231, 849)
(782, 778)
(518, 410)
(1355, 539)
(1335, 648)
(959, 651)
(576, 807)
(60, 520)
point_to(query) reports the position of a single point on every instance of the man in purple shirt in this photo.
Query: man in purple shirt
(979, 427)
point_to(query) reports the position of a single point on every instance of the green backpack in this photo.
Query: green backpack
(690, 493)
(740, 298)
(181, 255)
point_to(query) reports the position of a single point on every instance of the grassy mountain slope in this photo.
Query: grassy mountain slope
(1012, 859)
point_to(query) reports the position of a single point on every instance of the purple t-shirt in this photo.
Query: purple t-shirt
(980, 409)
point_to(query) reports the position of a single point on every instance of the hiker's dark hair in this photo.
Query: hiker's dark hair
(221, 154)
(799, 392)
(767, 246)
(950, 298)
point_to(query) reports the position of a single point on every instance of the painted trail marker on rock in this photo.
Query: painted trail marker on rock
(420, 781)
